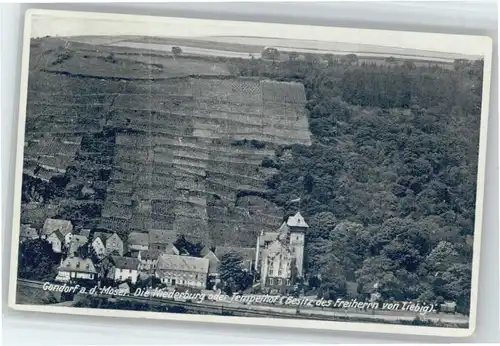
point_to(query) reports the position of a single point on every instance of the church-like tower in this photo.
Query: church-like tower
(298, 228)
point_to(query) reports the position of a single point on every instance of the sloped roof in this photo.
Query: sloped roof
(283, 228)
(85, 233)
(205, 251)
(27, 231)
(182, 263)
(248, 254)
(213, 262)
(77, 264)
(125, 262)
(58, 235)
(101, 235)
(149, 255)
(51, 225)
(138, 238)
(79, 239)
(162, 236)
(297, 221)
(171, 250)
(124, 286)
(76, 242)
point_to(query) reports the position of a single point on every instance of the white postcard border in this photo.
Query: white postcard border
(476, 45)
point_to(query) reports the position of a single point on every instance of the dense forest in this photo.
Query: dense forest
(388, 185)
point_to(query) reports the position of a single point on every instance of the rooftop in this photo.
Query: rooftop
(138, 238)
(297, 221)
(51, 225)
(85, 233)
(102, 235)
(28, 232)
(125, 262)
(149, 255)
(183, 263)
(162, 236)
(77, 264)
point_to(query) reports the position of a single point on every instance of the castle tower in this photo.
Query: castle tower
(298, 228)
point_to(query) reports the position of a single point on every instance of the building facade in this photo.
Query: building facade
(125, 268)
(58, 233)
(186, 271)
(148, 260)
(76, 268)
(280, 254)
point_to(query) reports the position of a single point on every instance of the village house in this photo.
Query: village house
(183, 271)
(138, 241)
(125, 268)
(105, 244)
(76, 268)
(58, 233)
(213, 264)
(148, 259)
(27, 232)
(280, 255)
(76, 242)
(161, 239)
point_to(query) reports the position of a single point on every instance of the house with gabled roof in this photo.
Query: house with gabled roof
(161, 239)
(76, 242)
(213, 261)
(148, 259)
(76, 268)
(138, 241)
(57, 240)
(105, 244)
(125, 268)
(183, 271)
(58, 232)
(280, 255)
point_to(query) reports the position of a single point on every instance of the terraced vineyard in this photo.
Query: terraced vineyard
(150, 148)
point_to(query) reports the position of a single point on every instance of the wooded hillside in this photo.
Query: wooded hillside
(388, 184)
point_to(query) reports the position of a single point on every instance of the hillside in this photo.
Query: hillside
(143, 144)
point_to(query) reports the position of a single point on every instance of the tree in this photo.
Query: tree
(231, 272)
(176, 51)
(442, 257)
(333, 282)
(350, 59)
(391, 153)
(271, 53)
(292, 56)
(37, 260)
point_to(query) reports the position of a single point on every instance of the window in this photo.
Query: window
(280, 281)
(271, 281)
(280, 272)
(288, 282)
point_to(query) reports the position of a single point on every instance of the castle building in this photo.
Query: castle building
(280, 255)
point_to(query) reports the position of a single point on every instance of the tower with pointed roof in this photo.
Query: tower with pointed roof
(298, 227)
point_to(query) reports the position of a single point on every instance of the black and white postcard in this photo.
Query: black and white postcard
(250, 173)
